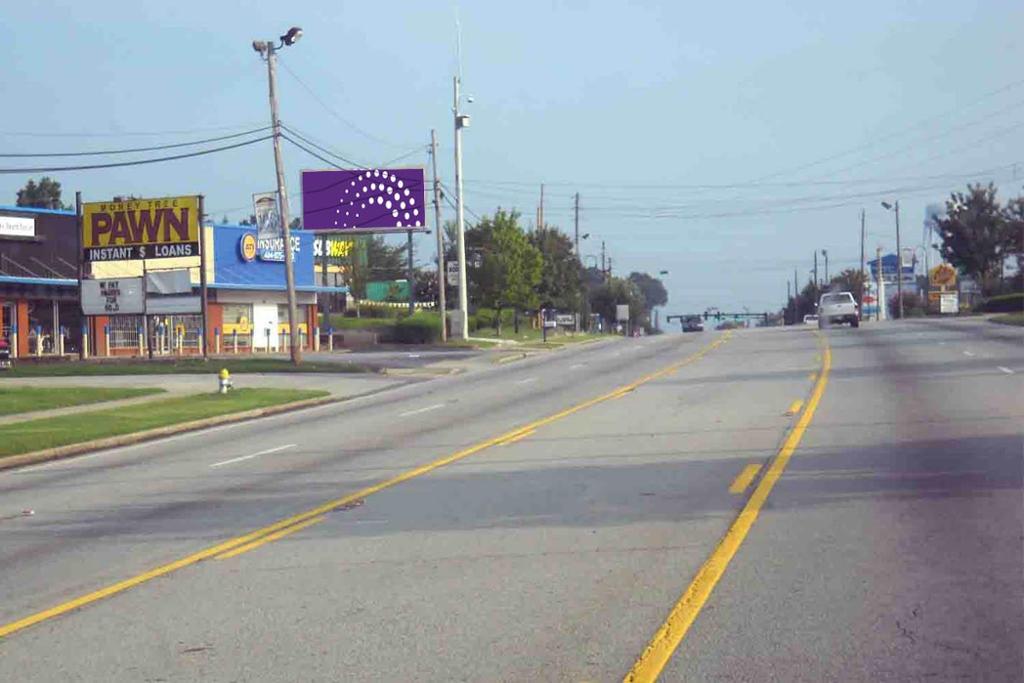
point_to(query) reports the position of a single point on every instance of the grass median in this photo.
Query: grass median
(36, 435)
(1010, 319)
(14, 400)
(187, 366)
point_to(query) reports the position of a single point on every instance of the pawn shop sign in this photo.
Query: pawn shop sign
(134, 229)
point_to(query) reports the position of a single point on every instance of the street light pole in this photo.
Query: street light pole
(895, 206)
(460, 123)
(269, 51)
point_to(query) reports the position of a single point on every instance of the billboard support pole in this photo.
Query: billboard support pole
(442, 267)
(409, 275)
(78, 233)
(203, 292)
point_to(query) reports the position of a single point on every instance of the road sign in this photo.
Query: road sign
(622, 313)
(452, 270)
(949, 302)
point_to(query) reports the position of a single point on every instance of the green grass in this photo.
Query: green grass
(34, 435)
(15, 400)
(1010, 319)
(190, 366)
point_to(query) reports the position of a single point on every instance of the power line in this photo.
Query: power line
(330, 110)
(138, 162)
(125, 134)
(889, 136)
(132, 150)
(323, 149)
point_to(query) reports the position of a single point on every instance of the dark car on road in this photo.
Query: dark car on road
(693, 323)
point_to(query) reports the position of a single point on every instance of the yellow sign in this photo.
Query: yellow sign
(942, 275)
(141, 229)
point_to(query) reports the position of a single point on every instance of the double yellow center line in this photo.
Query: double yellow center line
(671, 633)
(258, 537)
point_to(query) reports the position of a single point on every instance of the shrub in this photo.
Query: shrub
(419, 328)
(1004, 303)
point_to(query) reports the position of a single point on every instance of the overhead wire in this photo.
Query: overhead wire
(123, 134)
(330, 110)
(133, 150)
(136, 162)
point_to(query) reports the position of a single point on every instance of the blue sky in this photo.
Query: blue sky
(723, 142)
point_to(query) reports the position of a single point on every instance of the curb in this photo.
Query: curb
(509, 359)
(61, 452)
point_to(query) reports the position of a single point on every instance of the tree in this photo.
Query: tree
(1015, 225)
(616, 291)
(42, 195)
(506, 268)
(976, 234)
(652, 289)
(849, 280)
(560, 277)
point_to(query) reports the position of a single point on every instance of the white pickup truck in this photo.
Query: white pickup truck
(838, 307)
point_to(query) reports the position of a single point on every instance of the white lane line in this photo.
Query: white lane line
(254, 455)
(968, 353)
(421, 410)
(1008, 371)
(414, 355)
(527, 380)
(574, 367)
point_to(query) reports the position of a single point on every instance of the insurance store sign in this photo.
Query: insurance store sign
(167, 227)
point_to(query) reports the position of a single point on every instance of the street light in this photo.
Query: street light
(895, 207)
(662, 272)
(268, 51)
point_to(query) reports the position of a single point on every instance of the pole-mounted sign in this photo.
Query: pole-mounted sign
(135, 229)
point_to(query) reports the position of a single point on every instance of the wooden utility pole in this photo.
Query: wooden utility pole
(442, 268)
(860, 299)
(576, 222)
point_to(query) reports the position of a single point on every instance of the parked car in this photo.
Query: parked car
(810, 319)
(838, 307)
(693, 323)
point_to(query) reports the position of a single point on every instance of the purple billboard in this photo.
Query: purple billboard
(373, 200)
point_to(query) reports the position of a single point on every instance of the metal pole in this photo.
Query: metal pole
(410, 276)
(796, 298)
(879, 294)
(816, 268)
(824, 252)
(78, 260)
(860, 300)
(604, 268)
(786, 309)
(576, 222)
(899, 262)
(540, 215)
(460, 221)
(442, 270)
(203, 292)
(282, 197)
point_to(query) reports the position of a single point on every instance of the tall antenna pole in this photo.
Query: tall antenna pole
(460, 122)
(442, 271)
(540, 215)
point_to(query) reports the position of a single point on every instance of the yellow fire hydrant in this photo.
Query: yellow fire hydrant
(225, 381)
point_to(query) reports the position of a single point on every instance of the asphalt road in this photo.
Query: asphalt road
(542, 519)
